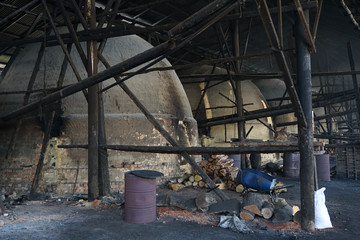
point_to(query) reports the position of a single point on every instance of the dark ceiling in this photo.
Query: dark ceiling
(24, 21)
(335, 27)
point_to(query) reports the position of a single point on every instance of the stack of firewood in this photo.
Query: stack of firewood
(219, 168)
(277, 210)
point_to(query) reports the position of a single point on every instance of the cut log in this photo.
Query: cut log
(188, 184)
(253, 202)
(254, 209)
(267, 210)
(197, 178)
(222, 185)
(202, 184)
(222, 172)
(183, 178)
(295, 210)
(195, 184)
(239, 188)
(177, 186)
(192, 179)
(246, 215)
(203, 163)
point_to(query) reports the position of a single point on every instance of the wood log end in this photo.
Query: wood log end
(246, 215)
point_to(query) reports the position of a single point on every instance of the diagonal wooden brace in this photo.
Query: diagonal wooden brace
(265, 16)
(309, 37)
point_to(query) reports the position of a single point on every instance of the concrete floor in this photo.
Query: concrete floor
(68, 220)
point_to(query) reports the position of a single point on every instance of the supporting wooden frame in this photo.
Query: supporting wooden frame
(280, 58)
(305, 24)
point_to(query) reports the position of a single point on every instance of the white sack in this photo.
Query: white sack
(322, 218)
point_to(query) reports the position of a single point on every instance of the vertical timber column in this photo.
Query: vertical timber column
(238, 94)
(305, 132)
(93, 108)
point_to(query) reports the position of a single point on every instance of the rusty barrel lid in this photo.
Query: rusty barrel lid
(147, 173)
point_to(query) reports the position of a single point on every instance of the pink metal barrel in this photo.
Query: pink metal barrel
(140, 199)
(323, 167)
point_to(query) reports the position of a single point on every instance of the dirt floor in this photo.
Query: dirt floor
(62, 218)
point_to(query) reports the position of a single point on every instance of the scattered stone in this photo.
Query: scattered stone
(282, 215)
(80, 196)
(13, 196)
(182, 202)
(204, 200)
(36, 197)
(253, 202)
(231, 206)
(162, 200)
(279, 203)
(2, 223)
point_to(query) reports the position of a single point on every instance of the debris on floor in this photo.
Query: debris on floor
(184, 215)
(234, 223)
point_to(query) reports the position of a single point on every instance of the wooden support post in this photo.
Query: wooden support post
(280, 25)
(239, 98)
(355, 81)
(305, 130)
(93, 108)
(280, 58)
(317, 19)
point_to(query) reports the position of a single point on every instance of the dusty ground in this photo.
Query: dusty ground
(54, 219)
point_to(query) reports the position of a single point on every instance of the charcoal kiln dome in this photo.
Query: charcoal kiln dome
(66, 170)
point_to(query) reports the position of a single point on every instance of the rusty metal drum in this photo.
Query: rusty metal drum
(323, 167)
(140, 196)
(291, 165)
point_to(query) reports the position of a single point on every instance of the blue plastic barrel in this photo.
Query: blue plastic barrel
(256, 179)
